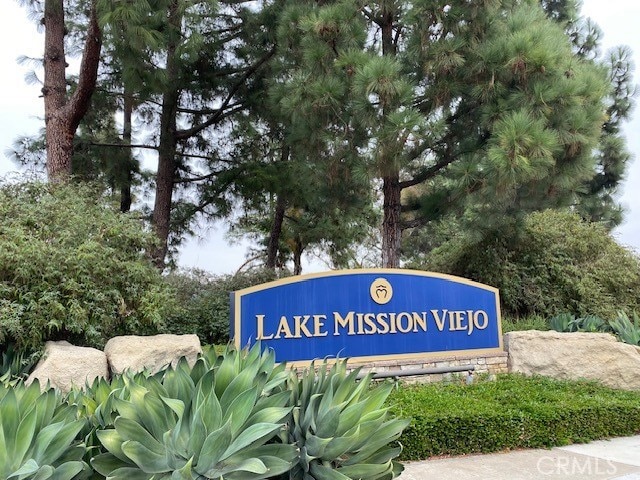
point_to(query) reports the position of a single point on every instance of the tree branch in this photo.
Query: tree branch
(206, 111)
(80, 100)
(184, 134)
(197, 179)
(124, 145)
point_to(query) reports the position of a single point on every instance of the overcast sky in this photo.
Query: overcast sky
(21, 114)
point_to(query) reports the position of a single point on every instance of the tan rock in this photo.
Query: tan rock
(573, 356)
(65, 365)
(153, 353)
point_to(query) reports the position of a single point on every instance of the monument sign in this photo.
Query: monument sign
(368, 315)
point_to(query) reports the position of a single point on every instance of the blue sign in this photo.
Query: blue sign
(368, 315)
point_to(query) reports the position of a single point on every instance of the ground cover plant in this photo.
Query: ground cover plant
(512, 412)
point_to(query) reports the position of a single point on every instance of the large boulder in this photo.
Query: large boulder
(131, 352)
(573, 356)
(64, 365)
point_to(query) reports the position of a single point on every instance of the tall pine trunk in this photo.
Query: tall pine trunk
(276, 230)
(278, 220)
(391, 231)
(391, 190)
(298, 248)
(125, 188)
(63, 116)
(168, 145)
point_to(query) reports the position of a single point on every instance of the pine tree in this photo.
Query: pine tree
(481, 103)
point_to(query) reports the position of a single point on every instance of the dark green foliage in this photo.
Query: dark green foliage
(73, 268)
(15, 365)
(513, 412)
(552, 262)
(204, 302)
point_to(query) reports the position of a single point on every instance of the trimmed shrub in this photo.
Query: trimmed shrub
(72, 267)
(513, 412)
(554, 262)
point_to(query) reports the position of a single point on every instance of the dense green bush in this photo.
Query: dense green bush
(554, 262)
(512, 412)
(204, 302)
(73, 267)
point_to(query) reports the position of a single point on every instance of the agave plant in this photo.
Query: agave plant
(222, 425)
(38, 435)
(341, 427)
(563, 322)
(626, 329)
(591, 323)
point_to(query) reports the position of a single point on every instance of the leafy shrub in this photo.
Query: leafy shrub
(554, 262)
(73, 267)
(204, 302)
(512, 412)
(40, 433)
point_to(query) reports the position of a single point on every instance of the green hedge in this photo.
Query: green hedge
(513, 412)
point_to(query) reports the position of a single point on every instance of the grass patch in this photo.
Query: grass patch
(512, 412)
(531, 322)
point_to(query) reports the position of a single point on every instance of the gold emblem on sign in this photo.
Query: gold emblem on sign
(381, 291)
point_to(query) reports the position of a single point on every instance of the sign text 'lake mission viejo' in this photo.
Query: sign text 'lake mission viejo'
(368, 315)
